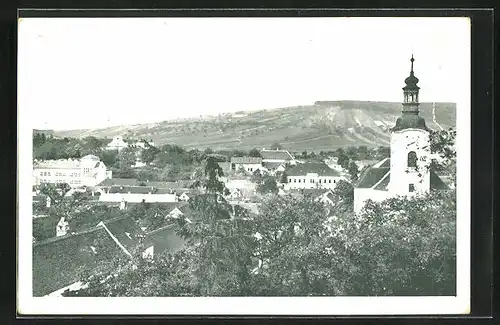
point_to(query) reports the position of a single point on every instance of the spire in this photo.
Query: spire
(409, 115)
(411, 81)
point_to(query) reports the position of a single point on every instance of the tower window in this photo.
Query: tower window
(411, 188)
(412, 159)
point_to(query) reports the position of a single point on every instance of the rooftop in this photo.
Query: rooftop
(321, 169)
(246, 160)
(371, 176)
(276, 154)
(89, 161)
(60, 261)
(119, 181)
(140, 190)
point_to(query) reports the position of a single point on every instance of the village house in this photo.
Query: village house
(407, 172)
(312, 175)
(245, 187)
(333, 163)
(248, 164)
(276, 160)
(59, 262)
(87, 171)
(117, 144)
(137, 194)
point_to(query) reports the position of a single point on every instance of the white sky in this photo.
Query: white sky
(96, 72)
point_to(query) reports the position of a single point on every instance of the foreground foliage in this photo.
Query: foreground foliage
(297, 246)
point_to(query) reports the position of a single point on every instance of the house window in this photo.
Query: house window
(412, 159)
(333, 181)
(299, 180)
(295, 181)
(329, 181)
(411, 188)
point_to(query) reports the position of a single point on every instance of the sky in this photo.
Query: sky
(96, 72)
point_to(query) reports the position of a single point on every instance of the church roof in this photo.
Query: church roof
(410, 121)
(411, 81)
(379, 176)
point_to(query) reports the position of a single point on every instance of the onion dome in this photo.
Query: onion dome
(411, 81)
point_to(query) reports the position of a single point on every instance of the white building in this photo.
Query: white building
(312, 175)
(137, 194)
(249, 164)
(117, 144)
(407, 171)
(87, 171)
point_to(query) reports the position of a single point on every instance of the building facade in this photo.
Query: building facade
(407, 172)
(311, 176)
(249, 164)
(87, 171)
(117, 144)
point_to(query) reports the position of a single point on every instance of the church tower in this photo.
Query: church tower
(410, 145)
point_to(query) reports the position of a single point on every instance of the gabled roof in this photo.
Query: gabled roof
(60, 261)
(272, 165)
(371, 176)
(437, 183)
(321, 169)
(276, 154)
(119, 182)
(225, 165)
(139, 190)
(246, 160)
(164, 239)
(382, 176)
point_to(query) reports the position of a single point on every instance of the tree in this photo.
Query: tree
(256, 177)
(62, 205)
(344, 191)
(353, 171)
(363, 152)
(148, 154)
(352, 153)
(343, 161)
(402, 246)
(444, 149)
(293, 260)
(109, 157)
(276, 146)
(126, 158)
(267, 185)
(254, 153)
(284, 177)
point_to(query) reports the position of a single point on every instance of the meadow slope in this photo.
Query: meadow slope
(322, 126)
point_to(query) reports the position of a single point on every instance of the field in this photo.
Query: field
(323, 126)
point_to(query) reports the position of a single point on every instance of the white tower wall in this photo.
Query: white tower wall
(402, 143)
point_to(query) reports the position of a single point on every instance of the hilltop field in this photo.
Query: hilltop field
(322, 126)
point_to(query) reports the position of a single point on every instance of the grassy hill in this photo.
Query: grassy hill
(322, 126)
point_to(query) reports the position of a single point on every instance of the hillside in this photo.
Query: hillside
(322, 126)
